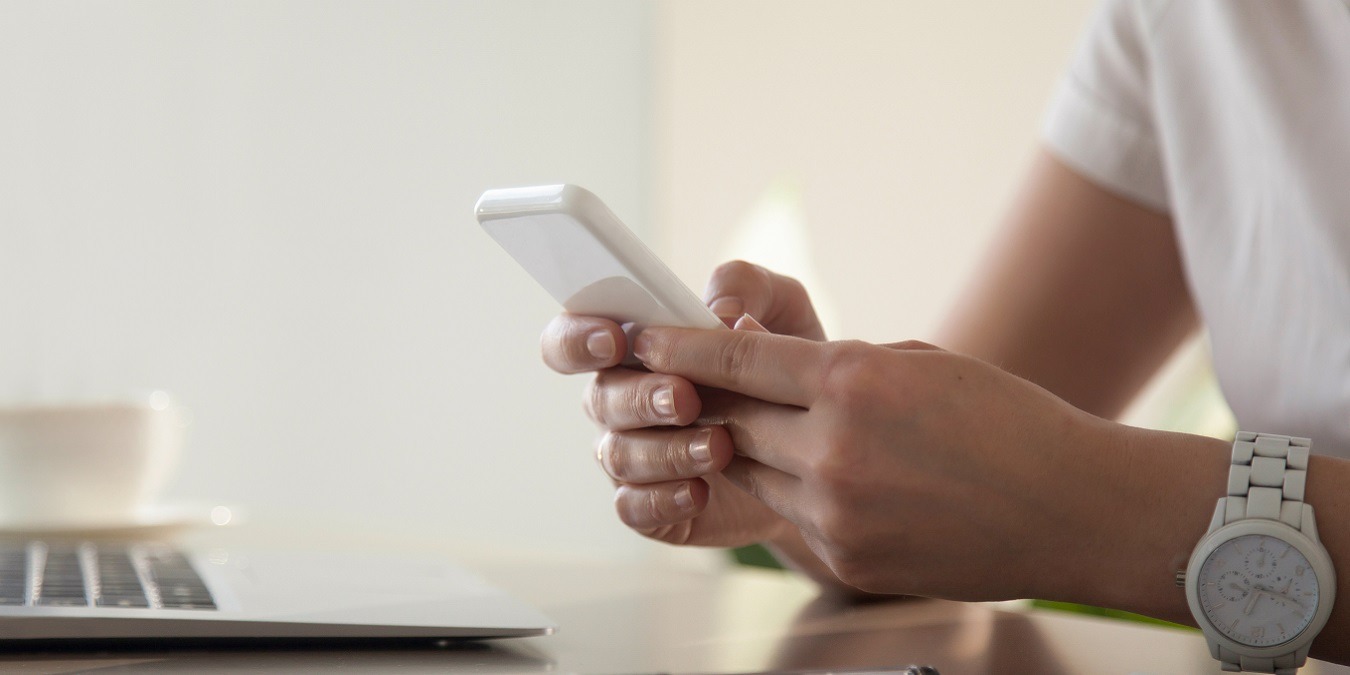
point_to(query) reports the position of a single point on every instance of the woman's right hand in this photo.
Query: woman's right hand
(662, 446)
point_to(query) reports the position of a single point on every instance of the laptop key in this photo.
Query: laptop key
(62, 581)
(178, 584)
(106, 576)
(118, 584)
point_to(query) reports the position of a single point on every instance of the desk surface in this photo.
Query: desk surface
(654, 618)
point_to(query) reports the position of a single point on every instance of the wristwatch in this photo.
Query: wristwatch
(1260, 583)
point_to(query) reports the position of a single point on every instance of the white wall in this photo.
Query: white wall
(264, 207)
(903, 128)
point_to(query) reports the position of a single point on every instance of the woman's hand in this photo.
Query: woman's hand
(908, 469)
(666, 467)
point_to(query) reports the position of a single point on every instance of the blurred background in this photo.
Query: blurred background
(265, 209)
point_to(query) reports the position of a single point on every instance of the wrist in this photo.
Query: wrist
(1144, 504)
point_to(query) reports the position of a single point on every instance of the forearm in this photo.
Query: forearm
(1137, 501)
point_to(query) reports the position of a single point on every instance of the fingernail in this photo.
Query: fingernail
(684, 497)
(641, 344)
(727, 307)
(701, 448)
(600, 344)
(747, 322)
(663, 400)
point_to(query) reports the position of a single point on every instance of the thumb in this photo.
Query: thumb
(740, 287)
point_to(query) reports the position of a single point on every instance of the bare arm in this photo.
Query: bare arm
(1081, 293)
(908, 469)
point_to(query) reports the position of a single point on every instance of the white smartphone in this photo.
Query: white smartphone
(579, 251)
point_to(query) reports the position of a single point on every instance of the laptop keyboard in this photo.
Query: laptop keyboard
(151, 576)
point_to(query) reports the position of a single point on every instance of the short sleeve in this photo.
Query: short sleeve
(1100, 121)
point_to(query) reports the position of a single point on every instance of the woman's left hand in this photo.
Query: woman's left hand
(907, 468)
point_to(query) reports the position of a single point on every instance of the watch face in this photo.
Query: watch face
(1258, 590)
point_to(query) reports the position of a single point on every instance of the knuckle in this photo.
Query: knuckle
(846, 555)
(614, 457)
(678, 534)
(638, 404)
(572, 343)
(652, 507)
(643, 462)
(794, 288)
(625, 511)
(838, 470)
(736, 354)
(833, 525)
(563, 344)
(913, 345)
(593, 402)
(842, 462)
(657, 355)
(627, 403)
(854, 572)
(550, 343)
(847, 372)
(643, 508)
(743, 479)
(629, 505)
(641, 401)
(753, 485)
(735, 269)
(747, 280)
(671, 461)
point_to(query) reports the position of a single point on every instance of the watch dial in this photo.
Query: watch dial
(1258, 590)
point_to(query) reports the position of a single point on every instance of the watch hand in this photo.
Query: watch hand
(1251, 602)
(1286, 598)
(1287, 584)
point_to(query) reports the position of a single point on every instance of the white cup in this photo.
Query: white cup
(86, 464)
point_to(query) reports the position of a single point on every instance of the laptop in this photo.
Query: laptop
(112, 590)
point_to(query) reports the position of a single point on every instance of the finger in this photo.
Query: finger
(766, 432)
(575, 344)
(622, 398)
(747, 322)
(779, 301)
(647, 507)
(777, 490)
(776, 368)
(650, 456)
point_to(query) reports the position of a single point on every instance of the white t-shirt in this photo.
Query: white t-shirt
(1234, 117)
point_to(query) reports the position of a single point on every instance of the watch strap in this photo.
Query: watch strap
(1266, 478)
(1284, 664)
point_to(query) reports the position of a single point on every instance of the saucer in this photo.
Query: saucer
(158, 519)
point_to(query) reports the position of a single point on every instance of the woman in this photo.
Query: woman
(1195, 171)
